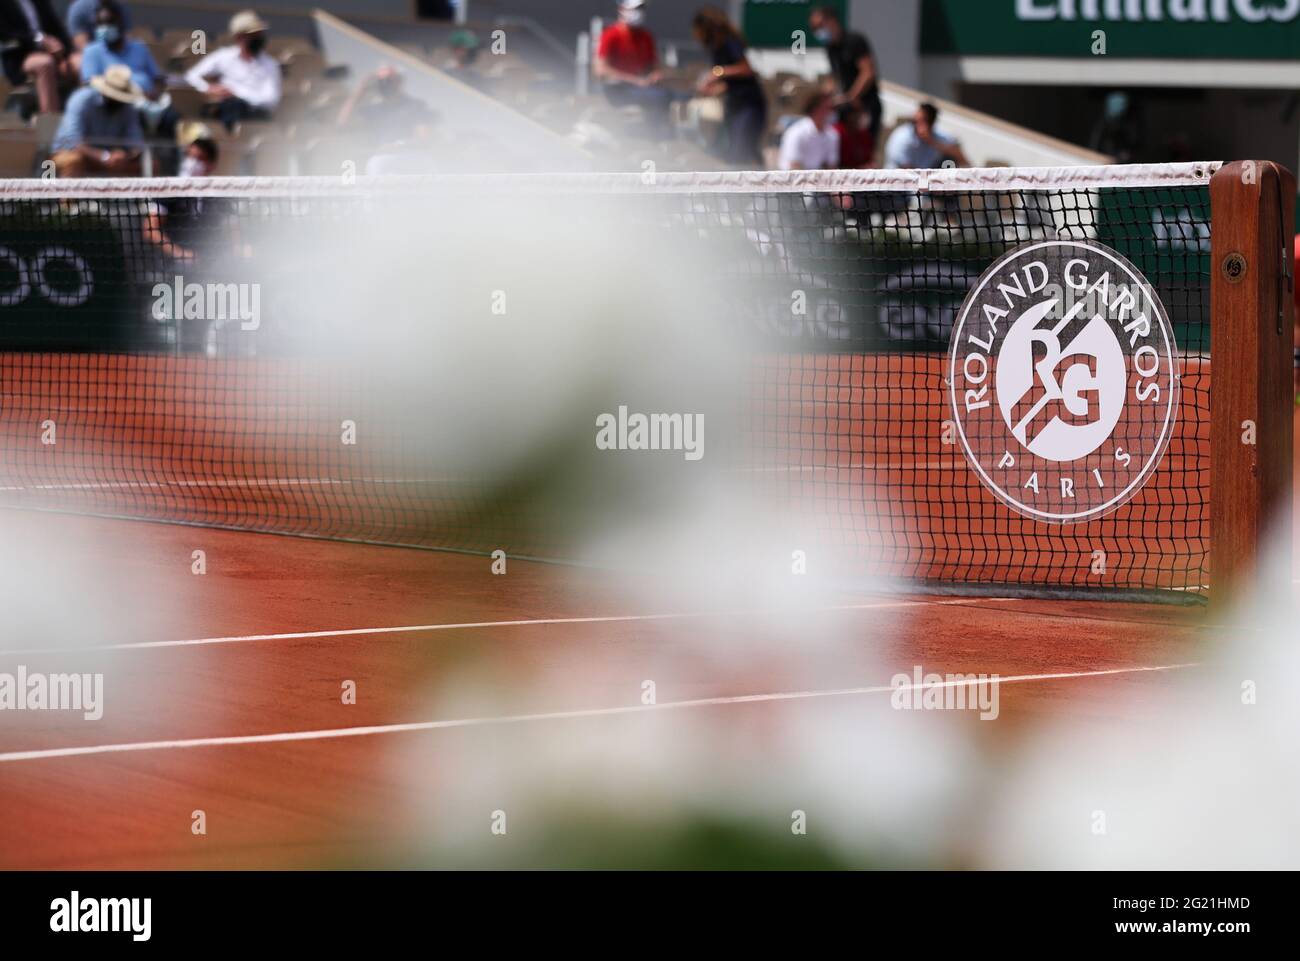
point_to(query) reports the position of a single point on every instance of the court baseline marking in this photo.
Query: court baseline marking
(471, 625)
(330, 733)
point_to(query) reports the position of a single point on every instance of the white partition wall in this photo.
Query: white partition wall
(520, 143)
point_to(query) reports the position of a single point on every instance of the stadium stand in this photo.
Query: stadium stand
(530, 102)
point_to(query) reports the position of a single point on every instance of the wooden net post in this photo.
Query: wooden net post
(1252, 304)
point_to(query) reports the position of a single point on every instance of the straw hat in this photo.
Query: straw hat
(247, 21)
(188, 131)
(116, 84)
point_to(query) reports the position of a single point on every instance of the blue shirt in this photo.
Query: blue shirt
(97, 57)
(87, 120)
(81, 17)
(905, 150)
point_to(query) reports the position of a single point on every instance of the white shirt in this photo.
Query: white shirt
(805, 147)
(256, 81)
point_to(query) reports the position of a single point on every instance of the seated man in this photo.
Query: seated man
(394, 127)
(381, 109)
(241, 82)
(627, 64)
(918, 145)
(34, 46)
(111, 46)
(81, 24)
(100, 133)
(811, 142)
(857, 147)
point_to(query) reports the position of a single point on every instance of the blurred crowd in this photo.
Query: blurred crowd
(115, 110)
(838, 120)
(113, 95)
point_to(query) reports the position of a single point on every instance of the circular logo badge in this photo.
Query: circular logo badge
(1063, 380)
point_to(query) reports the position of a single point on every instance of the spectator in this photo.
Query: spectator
(241, 82)
(811, 143)
(918, 145)
(81, 22)
(852, 64)
(100, 132)
(112, 46)
(1116, 133)
(745, 110)
(181, 230)
(857, 146)
(34, 46)
(464, 51)
(200, 158)
(627, 63)
(172, 226)
(382, 110)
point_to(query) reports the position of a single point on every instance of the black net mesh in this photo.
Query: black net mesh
(114, 401)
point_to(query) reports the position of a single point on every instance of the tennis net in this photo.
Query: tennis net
(200, 352)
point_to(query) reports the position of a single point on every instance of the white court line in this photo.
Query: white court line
(274, 482)
(470, 625)
(329, 733)
(874, 466)
(233, 482)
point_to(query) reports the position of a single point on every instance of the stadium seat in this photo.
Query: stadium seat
(272, 155)
(231, 160)
(21, 100)
(45, 126)
(302, 64)
(187, 101)
(280, 45)
(18, 156)
(180, 40)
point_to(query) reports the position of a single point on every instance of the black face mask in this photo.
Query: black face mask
(256, 43)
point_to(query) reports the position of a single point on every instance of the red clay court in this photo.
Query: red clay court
(313, 654)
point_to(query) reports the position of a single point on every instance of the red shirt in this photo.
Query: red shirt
(856, 146)
(627, 48)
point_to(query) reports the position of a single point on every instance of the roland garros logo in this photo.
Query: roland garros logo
(1063, 380)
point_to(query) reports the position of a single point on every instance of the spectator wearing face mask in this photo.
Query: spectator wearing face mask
(100, 133)
(112, 46)
(627, 63)
(181, 232)
(241, 82)
(852, 64)
(81, 23)
(173, 225)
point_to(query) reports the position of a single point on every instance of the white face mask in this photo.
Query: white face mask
(633, 18)
(193, 167)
